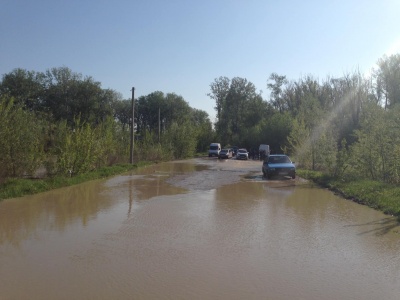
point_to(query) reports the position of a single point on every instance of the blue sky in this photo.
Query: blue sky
(182, 46)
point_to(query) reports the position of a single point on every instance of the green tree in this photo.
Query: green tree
(84, 148)
(299, 143)
(21, 140)
(180, 140)
(238, 105)
(277, 91)
(123, 112)
(203, 126)
(148, 148)
(276, 131)
(176, 110)
(158, 110)
(149, 108)
(376, 153)
(26, 87)
(387, 80)
(60, 94)
(307, 132)
(347, 96)
(219, 91)
(69, 95)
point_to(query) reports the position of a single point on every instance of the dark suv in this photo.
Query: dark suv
(278, 165)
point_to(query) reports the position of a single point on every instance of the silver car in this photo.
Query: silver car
(225, 154)
(242, 154)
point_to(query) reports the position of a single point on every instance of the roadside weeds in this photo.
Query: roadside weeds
(378, 195)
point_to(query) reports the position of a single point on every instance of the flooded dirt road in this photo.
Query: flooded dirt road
(196, 229)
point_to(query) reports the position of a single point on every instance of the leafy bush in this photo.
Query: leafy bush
(21, 151)
(84, 148)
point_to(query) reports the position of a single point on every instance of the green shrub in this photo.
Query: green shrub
(21, 142)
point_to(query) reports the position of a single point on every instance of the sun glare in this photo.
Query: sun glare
(394, 48)
(323, 126)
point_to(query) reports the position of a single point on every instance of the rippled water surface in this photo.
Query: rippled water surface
(197, 229)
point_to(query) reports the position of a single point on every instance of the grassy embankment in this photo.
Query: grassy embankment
(17, 187)
(378, 195)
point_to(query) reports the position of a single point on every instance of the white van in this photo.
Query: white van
(214, 149)
(263, 151)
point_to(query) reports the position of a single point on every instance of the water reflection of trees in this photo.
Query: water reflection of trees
(51, 211)
(291, 209)
(176, 167)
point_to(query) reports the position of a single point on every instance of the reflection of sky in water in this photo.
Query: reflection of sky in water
(126, 235)
(279, 190)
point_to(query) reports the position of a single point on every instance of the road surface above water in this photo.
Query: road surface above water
(196, 229)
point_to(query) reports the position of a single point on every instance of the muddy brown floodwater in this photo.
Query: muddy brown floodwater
(196, 229)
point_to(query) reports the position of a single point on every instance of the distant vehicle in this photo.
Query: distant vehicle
(214, 150)
(225, 153)
(242, 154)
(263, 151)
(278, 165)
(234, 150)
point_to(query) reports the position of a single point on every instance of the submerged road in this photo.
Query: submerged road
(196, 229)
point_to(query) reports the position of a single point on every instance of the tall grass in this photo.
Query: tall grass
(375, 194)
(14, 187)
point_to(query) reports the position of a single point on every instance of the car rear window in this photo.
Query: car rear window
(278, 159)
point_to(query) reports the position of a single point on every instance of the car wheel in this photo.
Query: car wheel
(294, 176)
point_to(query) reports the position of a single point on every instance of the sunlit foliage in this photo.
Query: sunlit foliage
(21, 140)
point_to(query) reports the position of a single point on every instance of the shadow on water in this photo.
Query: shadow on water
(381, 227)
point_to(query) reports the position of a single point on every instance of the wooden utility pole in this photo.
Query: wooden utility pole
(132, 124)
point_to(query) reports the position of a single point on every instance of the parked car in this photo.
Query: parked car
(278, 165)
(242, 154)
(225, 153)
(234, 150)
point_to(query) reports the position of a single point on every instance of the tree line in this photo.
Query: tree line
(346, 126)
(66, 123)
